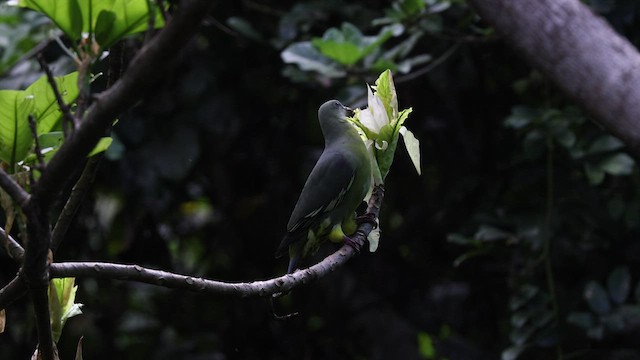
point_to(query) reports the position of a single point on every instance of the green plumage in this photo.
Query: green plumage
(336, 186)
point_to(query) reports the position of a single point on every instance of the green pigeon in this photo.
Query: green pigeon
(335, 188)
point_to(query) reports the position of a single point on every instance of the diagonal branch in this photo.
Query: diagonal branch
(13, 248)
(70, 208)
(67, 118)
(13, 291)
(17, 193)
(145, 71)
(249, 289)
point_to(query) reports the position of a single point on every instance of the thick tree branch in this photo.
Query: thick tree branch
(256, 288)
(17, 193)
(35, 272)
(580, 52)
(146, 69)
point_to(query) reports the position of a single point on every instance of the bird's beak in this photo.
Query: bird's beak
(350, 112)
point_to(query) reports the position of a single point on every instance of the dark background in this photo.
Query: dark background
(204, 172)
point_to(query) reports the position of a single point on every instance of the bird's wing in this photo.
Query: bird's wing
(328, 183)
(325, 189)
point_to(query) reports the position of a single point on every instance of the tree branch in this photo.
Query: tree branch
(78, 193)
(11, 292)
(146, 69)
(17, 193)
(580, 52)
(256, 288)
(13, 248)
(67, 119)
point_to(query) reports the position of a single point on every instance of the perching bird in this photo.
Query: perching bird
(336, 186)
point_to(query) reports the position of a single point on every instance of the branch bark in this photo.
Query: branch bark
(580, 52)
(249, 289)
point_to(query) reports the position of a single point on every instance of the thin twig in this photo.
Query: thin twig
(34, 132)
(78, 193)
(432, 65)
(17, 193)
(31, 53)
(13, 248)
(13, 291)
(67, 118)
(250, 289)
(163, 11)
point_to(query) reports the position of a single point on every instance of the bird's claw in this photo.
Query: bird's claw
(367, 218)
(355, 243)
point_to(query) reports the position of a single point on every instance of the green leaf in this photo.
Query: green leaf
(62, 295)
(347, 46)
(618, 164)
(385, 156)
(46, 110)
(619, 284)
(425, 346)
(104, 26)
(15, 135)
(101, 146)
(386, 91)
(37, 100)
(75, 17)
(597, 298)
(605, 143)
(343, 52)
(413, 147)
(308, 58)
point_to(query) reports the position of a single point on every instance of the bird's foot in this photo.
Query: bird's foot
(356, 242)
(367, 218)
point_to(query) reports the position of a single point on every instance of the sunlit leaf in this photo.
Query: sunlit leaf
(46, 110)
(101, 146)
(110, 20)
(62, 305)
(413, 147)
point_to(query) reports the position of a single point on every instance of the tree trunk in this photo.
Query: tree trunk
(580, 52)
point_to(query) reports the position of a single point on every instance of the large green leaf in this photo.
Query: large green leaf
(347, 45)
(39, 101)
(15, 135)
(108, 20)
(47, 111)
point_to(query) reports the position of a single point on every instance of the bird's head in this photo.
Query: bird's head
(333, 119)
(334, 109)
